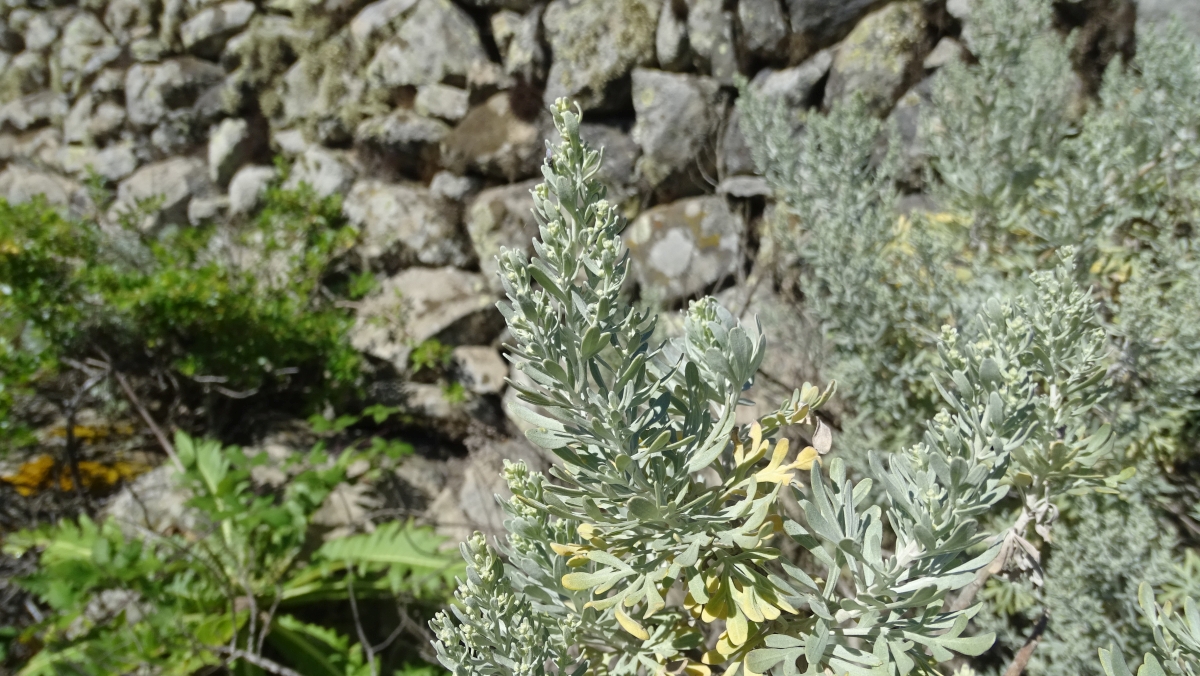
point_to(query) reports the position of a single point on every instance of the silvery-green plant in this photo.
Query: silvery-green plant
(1176, 650)
(654, 545)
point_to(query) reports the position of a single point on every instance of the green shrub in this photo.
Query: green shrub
(234, 587)
(212, 310)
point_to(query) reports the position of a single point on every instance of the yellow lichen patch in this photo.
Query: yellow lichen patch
(93, 432)
(43, 472)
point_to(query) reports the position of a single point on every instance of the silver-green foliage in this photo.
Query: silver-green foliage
(656, 544)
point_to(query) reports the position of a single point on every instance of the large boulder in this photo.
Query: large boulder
(501, 217)
(173, 182)
(681, 249)
(401, 224)
(449, 304)
(881, 57)
(677, 118)
(820, 23)
(21, 184)
(594, 46)
(437, 42)
(493, 140)
(205, 33)
(154, 90)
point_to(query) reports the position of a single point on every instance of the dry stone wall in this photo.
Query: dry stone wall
(428, 116)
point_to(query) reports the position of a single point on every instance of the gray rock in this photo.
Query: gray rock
(229, 147)
(501, 217)
(514, 5)
(483, 482)
(85, 49)
(404, 139)
(20, 184)
(710, 35)
(454, 306)
(448, 186)
(744, 187)
(679, 249)
(108, 84)
(820, 23)
(40, 32)
(152, 90)
(130, 20)
(207, 209)
(671, 38)
(494, 141)
(594, 46)
(375, 18)
(518, 38)
(905, 118)
(289, 142)
(618, 172)
(153, 502)
(247, 187)
(794, 86)
(107, 120)
(403, 224)
(735, 156)
(880, 57)
(764, 28)
(442, 101)
(437, 42)
(112, 163)
(206, 32)
(480, 368)
(149, 50)
(324, 170)
(946, 51)
(961, 9)
(35, 110)
(677, 117)
(174, 182)
(27, 73)
(175, 134)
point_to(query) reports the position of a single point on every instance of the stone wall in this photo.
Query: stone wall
(429, 117)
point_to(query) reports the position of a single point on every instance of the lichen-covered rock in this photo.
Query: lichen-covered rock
(594, 46)
(442, 101)
(206, 32)
(229, 147)
(33, 111)
(27, 73)
(671, 38)
(153, 90)
(402, 224)
(208, 209)
(820, 23)
(86, 48)
(880, 57)
(680, 249)
(374, 19)
(493, 140)
(947, 50)
(21, 184)
(112, 163)
(518, 37)
(404, 140)
(130, 20)
(247, 187)
(173, 183)
(710, 35)
(677, 117)
(793, 86)
(905, 118)
(479, 368)
(501, 217)
(454, 306)
(326, 171)
(764, 28)
(436, 43)
(41, 30)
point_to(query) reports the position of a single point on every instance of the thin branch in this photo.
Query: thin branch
(1021, 659)
(268, 665)
(154, 428)
(362, 635)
